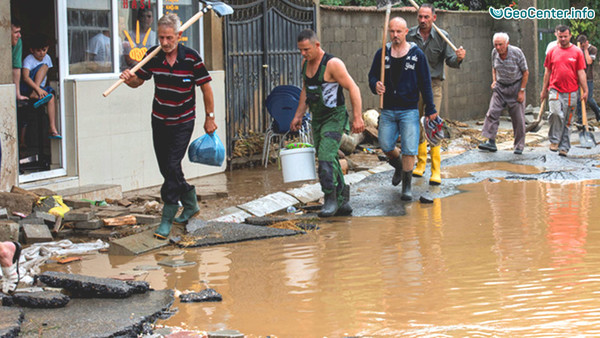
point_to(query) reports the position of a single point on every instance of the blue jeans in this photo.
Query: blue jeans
(591, 102)
(394, 123)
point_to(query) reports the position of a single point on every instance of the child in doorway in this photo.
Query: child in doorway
(35, 71)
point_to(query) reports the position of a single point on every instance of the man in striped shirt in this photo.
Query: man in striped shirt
(509, 79)
(177, 70)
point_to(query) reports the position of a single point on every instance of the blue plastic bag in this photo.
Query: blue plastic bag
(207, 149)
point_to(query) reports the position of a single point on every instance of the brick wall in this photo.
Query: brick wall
(355, 33)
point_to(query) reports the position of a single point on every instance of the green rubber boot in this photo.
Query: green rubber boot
(166, 222)
(190, 207)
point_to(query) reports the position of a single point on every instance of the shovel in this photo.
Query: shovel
(536, 125)
(220, 8)
(586, 139)
(387, 4)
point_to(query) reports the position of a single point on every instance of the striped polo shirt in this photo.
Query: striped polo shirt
(174, 95)
(509, 70)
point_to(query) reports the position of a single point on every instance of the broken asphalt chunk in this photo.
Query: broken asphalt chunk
(40, 299)
(87, 286)
(206, 295)
(10, 321)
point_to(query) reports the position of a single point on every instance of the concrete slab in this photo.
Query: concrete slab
(98, 317)
(146, 219)
(10, 321)
(87, 286)
(37, 233)
(92, 224)
(82, 214)
(269, 204)
(9, 231)
(353, 178)
(225, 334)
(232, 215)
(381, 168)
(307, 193)
(221, 233)
(3, 213)
(136, 244)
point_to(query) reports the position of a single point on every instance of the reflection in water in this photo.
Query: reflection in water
(504, 258)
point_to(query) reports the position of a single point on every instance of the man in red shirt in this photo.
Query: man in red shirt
(564, 69)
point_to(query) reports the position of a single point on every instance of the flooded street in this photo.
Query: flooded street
(503, 258)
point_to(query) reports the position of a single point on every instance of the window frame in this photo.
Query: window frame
(63, 34)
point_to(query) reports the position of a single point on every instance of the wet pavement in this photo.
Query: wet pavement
(507, 248)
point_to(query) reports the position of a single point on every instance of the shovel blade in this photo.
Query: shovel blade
(384, 3)
(586, 139)
(220, 8)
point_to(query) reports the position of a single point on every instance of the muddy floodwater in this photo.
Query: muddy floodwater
(503, 258)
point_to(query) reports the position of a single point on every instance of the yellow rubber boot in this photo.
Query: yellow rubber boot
(436, 178)
(421, 160)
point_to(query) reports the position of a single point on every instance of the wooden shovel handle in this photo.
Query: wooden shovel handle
(436, 28)
(148, 57)
(583, 111)
(384, 40)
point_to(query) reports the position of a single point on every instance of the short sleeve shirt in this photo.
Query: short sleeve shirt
(17, 55)
(99, 46)
(31, 63)
(174, 91)
(564, 64)
(509, 70)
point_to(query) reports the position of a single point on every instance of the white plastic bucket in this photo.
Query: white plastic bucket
(298, 164)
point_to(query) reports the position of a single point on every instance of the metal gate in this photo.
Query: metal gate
(261, 53)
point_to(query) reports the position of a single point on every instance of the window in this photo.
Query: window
(94, 47)
(137, 30)
(90, 40)
(185, 9)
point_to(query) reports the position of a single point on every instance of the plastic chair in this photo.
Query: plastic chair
(281, 104)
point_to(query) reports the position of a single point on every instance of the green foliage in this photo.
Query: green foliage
(591, 28)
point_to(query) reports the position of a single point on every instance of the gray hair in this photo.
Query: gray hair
(170, 20)
(500, 35)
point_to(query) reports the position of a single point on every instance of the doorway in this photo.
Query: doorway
(40, 122)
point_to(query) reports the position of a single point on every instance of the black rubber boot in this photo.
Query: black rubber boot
(490, 145)
(406, 186)
(330, 205)
(397, 164)
(345, 209)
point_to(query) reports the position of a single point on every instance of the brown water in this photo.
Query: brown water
(508, 259)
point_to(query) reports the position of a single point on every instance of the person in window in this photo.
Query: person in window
(35, 75)
(98, 49)
(140, 39)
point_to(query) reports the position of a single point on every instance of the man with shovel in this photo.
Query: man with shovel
(509, 79)
(407, 76)
(564, 68)
(438, 52)
(177, 70)
(325, 77)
